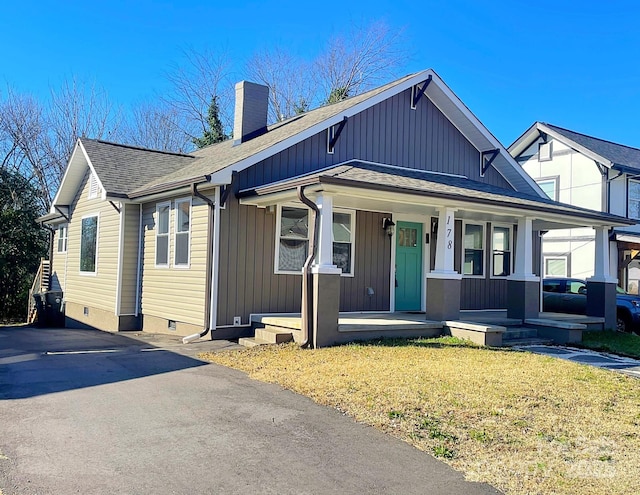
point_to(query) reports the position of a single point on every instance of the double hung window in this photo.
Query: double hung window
(182, 232)
(63, 232)
(162, 234)
(473, 250)
(501, 249)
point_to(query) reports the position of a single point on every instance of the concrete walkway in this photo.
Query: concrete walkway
(628, 366)
(93, 413)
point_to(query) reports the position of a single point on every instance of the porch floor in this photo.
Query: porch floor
(355, 322)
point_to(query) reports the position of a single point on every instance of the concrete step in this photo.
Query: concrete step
(514, 333)
(274, 335)
(527, 341)
(252, 342)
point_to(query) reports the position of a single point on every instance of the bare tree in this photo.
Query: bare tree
(158, 127)
(291, 82)
(350, 64)
(358, 61)
(37, 139)
(204, 76)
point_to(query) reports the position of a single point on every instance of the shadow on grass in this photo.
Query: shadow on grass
(39, 361)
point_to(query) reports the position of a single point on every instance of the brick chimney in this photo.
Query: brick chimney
(250, 119)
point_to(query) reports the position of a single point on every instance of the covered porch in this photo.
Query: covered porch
(455, 245)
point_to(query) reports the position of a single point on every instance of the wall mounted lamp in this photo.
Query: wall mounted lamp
(388, 226)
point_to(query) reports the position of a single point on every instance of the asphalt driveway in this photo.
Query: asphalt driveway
(91, 412)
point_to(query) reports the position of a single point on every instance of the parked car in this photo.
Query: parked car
(569, 295)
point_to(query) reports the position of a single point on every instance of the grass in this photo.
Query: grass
(625, 344)
(523, 422)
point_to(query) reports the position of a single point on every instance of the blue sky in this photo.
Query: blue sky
(572, 64)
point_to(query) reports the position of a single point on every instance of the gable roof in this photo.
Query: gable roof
(131, 172)
(118, 168)
(608, 153)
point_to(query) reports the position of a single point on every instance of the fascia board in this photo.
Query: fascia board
(69, 170)
(525, 140)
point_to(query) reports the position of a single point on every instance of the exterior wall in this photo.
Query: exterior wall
(59, 268)
(579, 184)
(94, 291)
(247, 280)
(101, 319)
(390, 133)
(129, 252)
(175, 293)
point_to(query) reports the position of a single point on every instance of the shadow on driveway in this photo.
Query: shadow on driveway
(38, 361)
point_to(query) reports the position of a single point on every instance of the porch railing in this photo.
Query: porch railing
(40, 284)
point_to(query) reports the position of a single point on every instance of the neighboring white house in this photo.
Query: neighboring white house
(592, 173)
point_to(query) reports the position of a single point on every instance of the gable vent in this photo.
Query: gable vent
(95, 190)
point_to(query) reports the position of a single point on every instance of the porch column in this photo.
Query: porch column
(601, 288)
(326, 279)
(444, 283)
(523, 287)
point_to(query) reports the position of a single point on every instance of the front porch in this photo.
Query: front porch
(493, 328)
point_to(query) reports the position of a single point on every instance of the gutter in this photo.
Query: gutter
(168, 187)
(306, 310)
(211, 263)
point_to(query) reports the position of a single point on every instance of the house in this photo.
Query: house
(398, 199)
(593, 173)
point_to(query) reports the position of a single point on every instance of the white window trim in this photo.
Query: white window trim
(176, 233)
(95, 272)
(276, 260)
(629, 198)
(511, 253)
(556, 182)
(555, 257)
(168, 234)
(484, 249)
(64, 226)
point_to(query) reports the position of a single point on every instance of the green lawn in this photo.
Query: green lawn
(526, 423)
(625, 344)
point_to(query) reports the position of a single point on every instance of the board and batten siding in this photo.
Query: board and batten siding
(129, 276)
(176, 293)
(247, 280)
(389, 132)
(99, 290)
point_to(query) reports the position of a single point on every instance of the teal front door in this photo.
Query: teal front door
(408, 266)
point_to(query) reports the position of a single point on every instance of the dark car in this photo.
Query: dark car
(569, 295)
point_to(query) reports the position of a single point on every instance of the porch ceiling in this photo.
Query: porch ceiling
(387, 189)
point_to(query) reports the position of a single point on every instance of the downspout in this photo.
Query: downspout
(306, 310)
(139, 268)
(212, 221)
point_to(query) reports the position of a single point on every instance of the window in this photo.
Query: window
(555, 266)
(162, 234)
(549, 187)
(89, 244)
(501, 249)
(95, 191)
(182, 229)
(473, 250)
(343, 224)
(633, 199)
(62, 238)
(544, 152)
(293, 241)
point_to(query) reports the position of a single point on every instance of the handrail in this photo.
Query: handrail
(40, 281)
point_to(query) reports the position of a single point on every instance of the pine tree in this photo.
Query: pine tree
(215, 132)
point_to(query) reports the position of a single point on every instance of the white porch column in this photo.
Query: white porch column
(523, 268)
(445, 245)
(324, 260)
(601, 269)
(444, 283)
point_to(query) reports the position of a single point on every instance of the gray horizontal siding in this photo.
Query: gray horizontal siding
(389, 132)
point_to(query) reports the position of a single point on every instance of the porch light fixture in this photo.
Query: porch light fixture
(388, 226)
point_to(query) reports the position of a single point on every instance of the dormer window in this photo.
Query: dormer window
(95, 191)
